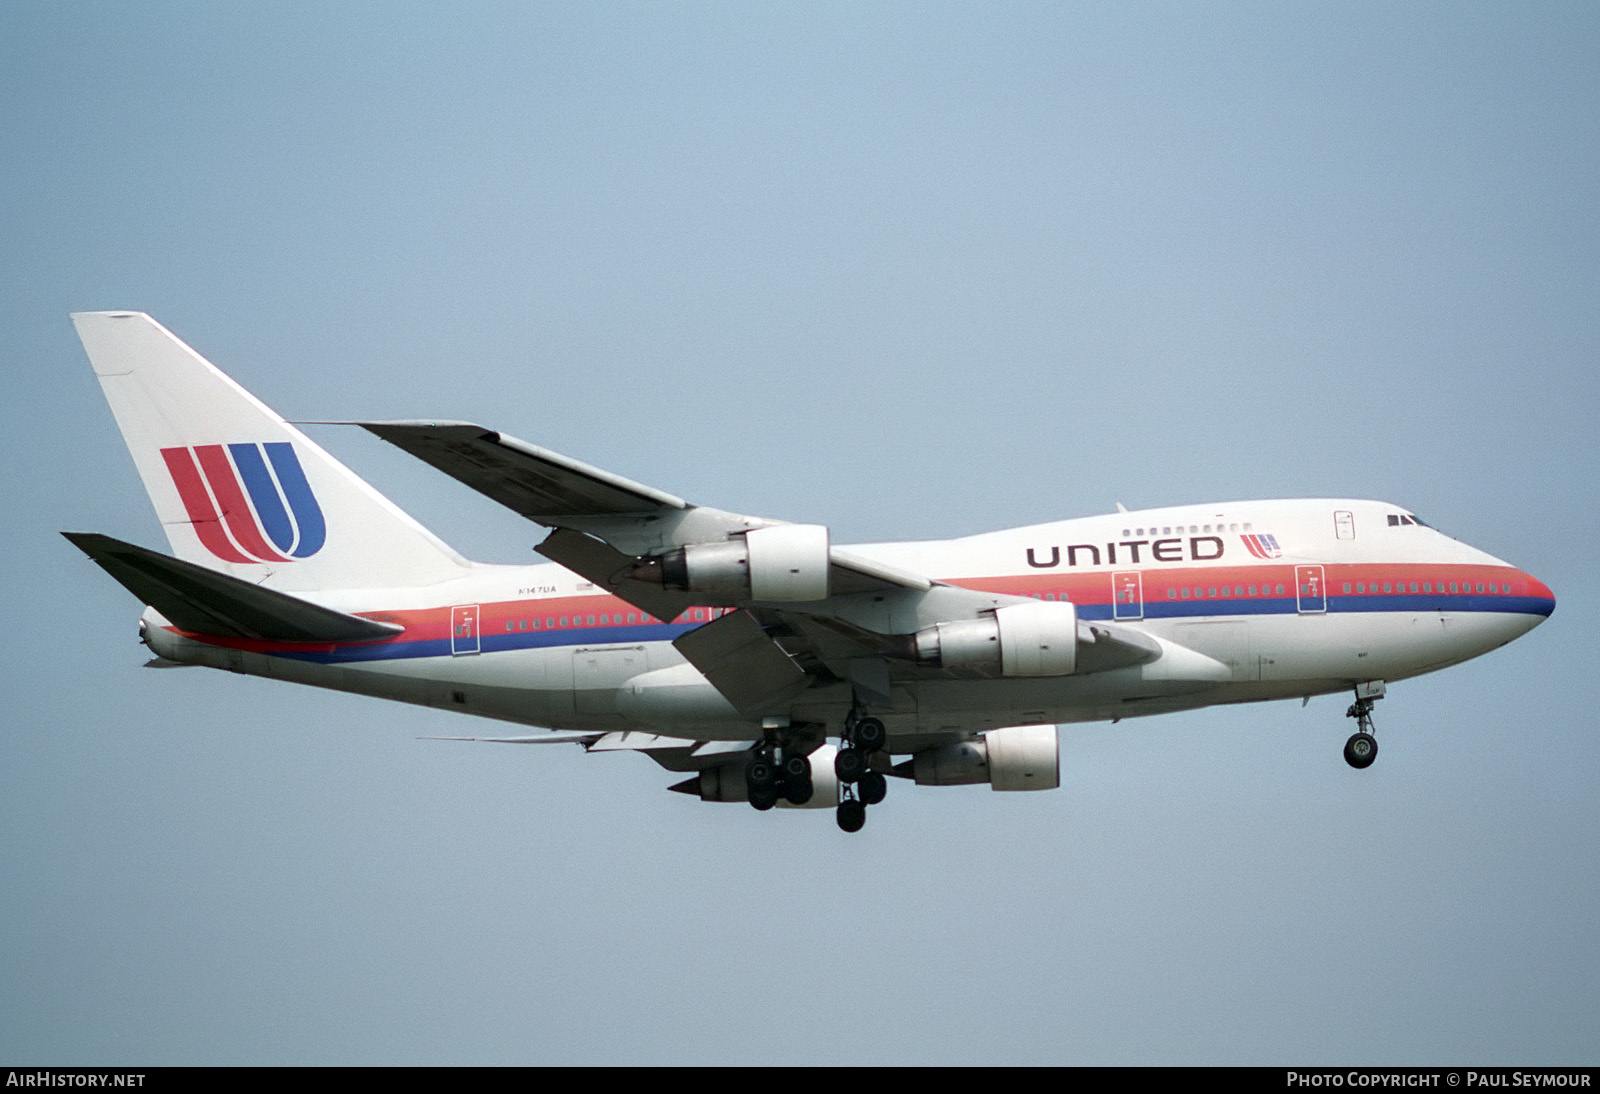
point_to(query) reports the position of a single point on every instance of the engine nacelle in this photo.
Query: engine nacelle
(1039, 638)
(786, 563)
(725, 782)
(1015, 758)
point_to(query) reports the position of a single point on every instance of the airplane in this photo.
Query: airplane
(754, 656)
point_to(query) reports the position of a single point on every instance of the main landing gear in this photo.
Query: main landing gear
(768, 778)
(859, 785)
(1362, 747)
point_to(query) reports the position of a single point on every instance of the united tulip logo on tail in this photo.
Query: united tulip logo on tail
(248, 502)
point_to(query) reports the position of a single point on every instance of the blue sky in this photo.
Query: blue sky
(911, 271)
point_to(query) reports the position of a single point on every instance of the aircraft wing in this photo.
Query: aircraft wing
(620, 519)
(542, 485)
(615, 532)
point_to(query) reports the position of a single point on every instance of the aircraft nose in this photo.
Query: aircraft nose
(1537, 598)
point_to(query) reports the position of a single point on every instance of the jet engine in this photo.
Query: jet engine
(1039, 638)
(784, 562)
(1015, 758)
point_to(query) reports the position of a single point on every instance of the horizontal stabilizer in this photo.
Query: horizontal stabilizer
(593, 740)
(204, 601)
(583, 738)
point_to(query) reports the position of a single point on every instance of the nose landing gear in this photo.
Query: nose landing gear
(1362, 747)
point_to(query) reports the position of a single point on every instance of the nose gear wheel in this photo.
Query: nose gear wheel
(1362, 747)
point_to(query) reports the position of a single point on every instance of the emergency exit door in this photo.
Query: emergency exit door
(1127, 595)
(463, 629)
(1310, 595)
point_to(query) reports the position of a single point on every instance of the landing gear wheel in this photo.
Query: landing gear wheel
(798, 791)
(870, 735)
(1360, 750)
(872, 788)
(796, 767)
(760, 771)
(1362, 747)
(764, 797)
(849, 765)
(852, 815)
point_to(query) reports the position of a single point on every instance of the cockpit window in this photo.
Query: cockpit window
(1396, 519)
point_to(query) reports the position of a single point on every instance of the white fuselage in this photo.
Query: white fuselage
(1278, 598)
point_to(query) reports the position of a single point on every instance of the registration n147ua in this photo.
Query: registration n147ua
(755, 657)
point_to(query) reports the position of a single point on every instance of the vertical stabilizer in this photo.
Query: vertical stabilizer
(237, 488)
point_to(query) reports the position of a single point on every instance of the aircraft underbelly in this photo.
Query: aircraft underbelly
(650, 686)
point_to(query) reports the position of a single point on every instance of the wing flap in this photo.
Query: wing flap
(204, 601)
(741, 660)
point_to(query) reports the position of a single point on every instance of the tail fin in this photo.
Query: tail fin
(237, 488)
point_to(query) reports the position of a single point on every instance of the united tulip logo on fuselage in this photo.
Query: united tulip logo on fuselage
(248, 502)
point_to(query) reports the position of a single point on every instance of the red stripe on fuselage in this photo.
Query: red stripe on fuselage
(1094, 588)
